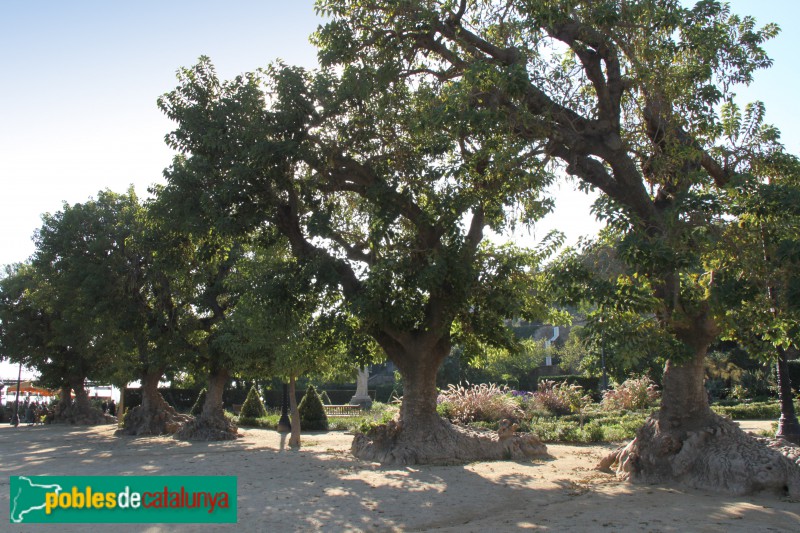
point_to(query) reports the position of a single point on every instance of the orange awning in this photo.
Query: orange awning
(29, 387)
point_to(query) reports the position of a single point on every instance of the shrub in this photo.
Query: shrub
(589, 383)
(270, 421)
(197, 408)
(759, 383)
(487, 403)
(752, 411)
(253, 407)
(634, 393)
(445, 410)
(558, 398)
(325, 399)
(312, 413)
(610, 427)
(380, 414)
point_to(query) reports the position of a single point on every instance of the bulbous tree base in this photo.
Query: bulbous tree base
(208, 428)
(162, 421)
(713, 455)
(82, 416)
(439, 442)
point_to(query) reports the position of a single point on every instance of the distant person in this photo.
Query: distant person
(112, 408)
(104, 406)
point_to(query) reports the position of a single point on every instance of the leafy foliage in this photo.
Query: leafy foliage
(197, 407)
(287, 323)
(270, 421)
(324, 398)
(752, 411)
(754, 384)
(558, 398)
(312, 413)
(631, 99)
(757, 263)
(64, 313)
(632, 394)
(483, 402)
(381, 205)
(253, 407)
(612, 427)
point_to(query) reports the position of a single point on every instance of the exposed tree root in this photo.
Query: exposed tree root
(208, 428)
(162, 421)
(83, 416)
(440, 442)
(716, 455)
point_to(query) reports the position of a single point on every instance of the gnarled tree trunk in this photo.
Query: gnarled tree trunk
(64, 401)
(420, 435)
(155, 416)
(686, 442)
(79, 410)
(212, 423)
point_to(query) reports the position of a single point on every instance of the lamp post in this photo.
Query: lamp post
(284, 425)
(603, 363)
(604, 383)
(15, 422)
(788, 425)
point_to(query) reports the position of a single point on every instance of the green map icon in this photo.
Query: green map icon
(122, 499)
(28, 499)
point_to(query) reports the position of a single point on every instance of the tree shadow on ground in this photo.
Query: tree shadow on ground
(324, 488)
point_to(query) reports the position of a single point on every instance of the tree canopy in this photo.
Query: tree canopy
(628, 98)
(380, 199)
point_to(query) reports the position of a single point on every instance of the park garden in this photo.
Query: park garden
(315, 222)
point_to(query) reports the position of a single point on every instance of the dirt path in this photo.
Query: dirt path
(321, 487)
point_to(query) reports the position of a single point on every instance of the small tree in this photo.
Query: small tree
(757, 265)
(312, 413)
(253, 407)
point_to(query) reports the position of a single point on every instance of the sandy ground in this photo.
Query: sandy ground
(322, 487)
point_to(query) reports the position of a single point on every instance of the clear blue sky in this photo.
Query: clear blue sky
(79, 86)
(80, 81)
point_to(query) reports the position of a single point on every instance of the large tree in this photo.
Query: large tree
(59, 311)
(38, 331)
(212, 304)
(625, 96)
(388, 205)
(156, 307)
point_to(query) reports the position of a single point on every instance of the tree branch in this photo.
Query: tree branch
(288, 221)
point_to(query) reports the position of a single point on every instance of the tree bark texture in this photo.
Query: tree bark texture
(686, 442)
(212, 424)
(79, 410)
(155, 416)
(64, 400)
(420, 435)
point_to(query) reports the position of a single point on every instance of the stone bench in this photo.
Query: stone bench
(342, 410)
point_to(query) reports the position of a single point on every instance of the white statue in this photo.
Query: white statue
(362, 392)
